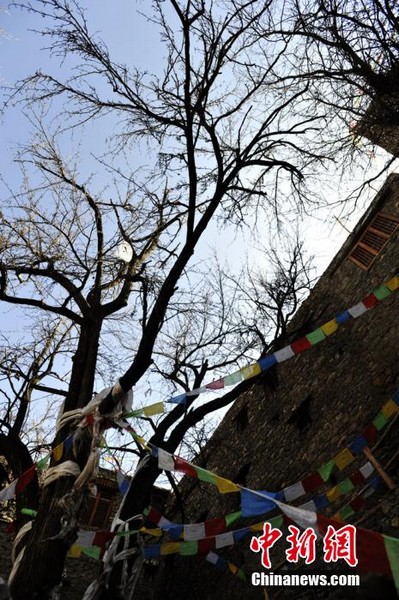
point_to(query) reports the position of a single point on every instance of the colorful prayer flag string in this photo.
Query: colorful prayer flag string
(297, 346)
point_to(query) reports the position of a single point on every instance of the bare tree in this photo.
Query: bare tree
(350, 54)
(226, 127)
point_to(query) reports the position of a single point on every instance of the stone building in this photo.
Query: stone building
(304, 411)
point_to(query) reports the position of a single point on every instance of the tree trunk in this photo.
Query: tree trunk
(111, 584)
(19, 460)
(39, 569)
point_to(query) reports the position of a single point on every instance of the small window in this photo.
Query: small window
(241, 477)
(373, 240)
(301, 415)
(98, 510)
(241, 419)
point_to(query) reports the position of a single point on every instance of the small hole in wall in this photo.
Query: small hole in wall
(241, 419)
(241, 477)
(301, 415)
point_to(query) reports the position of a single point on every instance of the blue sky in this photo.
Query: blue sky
(133, 40)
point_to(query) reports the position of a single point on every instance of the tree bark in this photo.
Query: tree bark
(19, 460)
(54, 528)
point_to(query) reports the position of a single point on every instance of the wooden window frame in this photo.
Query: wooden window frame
(376, 231)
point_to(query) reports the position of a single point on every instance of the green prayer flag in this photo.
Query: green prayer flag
(346, 512)
(188, 548)
(241, 574)
(92, 551)
(380, 421)
(392, 550)
(316, 336)
(277, 521)
(382, 292)
(43, 462)
(232, 518)
(326, 470)
(233, 378)
(204, 475)
(345, 487)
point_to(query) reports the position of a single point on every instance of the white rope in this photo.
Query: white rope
(21, 533)
(69, 468)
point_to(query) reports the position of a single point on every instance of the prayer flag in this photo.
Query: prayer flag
(343, 458)
(204, 475)
(216, 385)
(366, 470)
(188, 548)
(357, 310)
(194, 531)
(392, 550)
(225, 486)
(326, 470)
(92, 551)
(165, 460)
(170, 548)
(293, 491)
(250, 371)
(25, 479)
(224, 539)
(370, 301)
(301, 345)
(358, 444)
(389, 408)
(58, 451)
(316, 336)
(393, 284)
(154, 409)
(345, 486)
(380, 421)
(382, 292)
(256, 504)
(266, 362)
(284, 354)
(330, 327)
(233, 378)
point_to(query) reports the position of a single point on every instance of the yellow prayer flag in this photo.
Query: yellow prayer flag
(257, 526)
(392, 284)
(75, 551)
(58, 451)
(332, 494)
(154, 409)
(343, 458)
(250, 371)
(389, 409)
(156, 531)
(225, 486)
(329, 327)
(232, 568)
(170, 548)
(337, 517)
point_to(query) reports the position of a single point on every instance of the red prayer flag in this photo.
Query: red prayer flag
(300, 345)
(311, 482)
(25, 479)
(204, 546)
(357, 503)
(370, 301)
(184, 467)
(357, 478)
(214, 527)
(215, 385)
(370, 433)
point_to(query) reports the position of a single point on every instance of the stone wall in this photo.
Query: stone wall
(264, 443)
